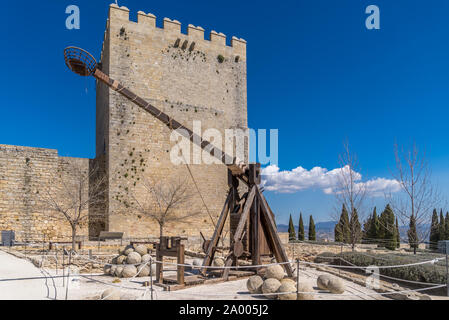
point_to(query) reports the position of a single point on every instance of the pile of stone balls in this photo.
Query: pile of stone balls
(132, 261)
(276, 286)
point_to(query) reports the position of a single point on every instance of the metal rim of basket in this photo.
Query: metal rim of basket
(79, 61)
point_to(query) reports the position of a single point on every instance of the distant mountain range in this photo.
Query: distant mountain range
(325, 230)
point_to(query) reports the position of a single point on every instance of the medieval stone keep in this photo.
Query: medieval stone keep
(184, 75)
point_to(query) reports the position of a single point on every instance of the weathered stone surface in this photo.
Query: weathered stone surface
(133, 258)
(303, 288)
(128, 251)
(112, 271)
(219, 262)
(289, 291)
(141, 249)
(330, 283)
(107, 269)
(118, 271)
(336, 285)
(143, 271)
(271, 286)
(323, 281)
(254, 284)
(188, 84)
(146, 258)
(129, 271)
(286, 280)
(275, 272)
(110, 294)
(197, 262)
(121, 259)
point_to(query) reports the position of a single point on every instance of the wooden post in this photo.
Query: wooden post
(297, 277)
(151, 277)
(255, 220)
(63, 266)
(272, 235)
(181, 260)
(159, 265)
(446, 243)
(217, 233)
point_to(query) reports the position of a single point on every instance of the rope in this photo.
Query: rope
(277, 294)
(380, 267)
(278, 263)
(384, 276)
(198, 190)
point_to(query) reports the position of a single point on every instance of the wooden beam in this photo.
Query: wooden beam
(180, 260)
(229, 161)
(228, 263)
(255, 241)
(217, 233)
(244, 216)
(272, 236)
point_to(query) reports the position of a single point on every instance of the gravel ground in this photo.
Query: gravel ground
(37, 284)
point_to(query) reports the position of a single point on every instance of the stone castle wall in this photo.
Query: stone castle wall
(185, 76)
(25, 171)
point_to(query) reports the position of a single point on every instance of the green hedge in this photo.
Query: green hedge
(430, 273)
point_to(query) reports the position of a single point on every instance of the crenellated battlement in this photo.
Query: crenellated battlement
(173, 27)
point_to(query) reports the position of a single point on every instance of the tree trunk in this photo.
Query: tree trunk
(73, 238)
(161, 230)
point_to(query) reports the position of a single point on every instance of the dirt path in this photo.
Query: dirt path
(21, 280)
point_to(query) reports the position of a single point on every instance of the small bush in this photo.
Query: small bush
(430, 273)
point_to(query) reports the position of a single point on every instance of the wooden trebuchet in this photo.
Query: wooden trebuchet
(256, 223)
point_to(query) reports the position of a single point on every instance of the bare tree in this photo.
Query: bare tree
(419, 197)
(70, 191)
(350, 192)
(165, 201)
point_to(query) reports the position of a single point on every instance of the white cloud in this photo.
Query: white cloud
(300, 179)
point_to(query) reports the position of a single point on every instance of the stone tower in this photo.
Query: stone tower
(184, 75)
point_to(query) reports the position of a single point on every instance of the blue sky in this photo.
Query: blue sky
(314, 72)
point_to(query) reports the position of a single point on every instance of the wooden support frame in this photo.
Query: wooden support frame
(273, 237)
(83, 63)
(217, 233)
(170, 247)
(256, 208)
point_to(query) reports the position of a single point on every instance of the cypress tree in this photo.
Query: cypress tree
(442, 227)
(446, 231)
(366, 228)
(398, 235)
(312, 234)
(434, 231)
(355, 228)
(301, 234)
(388, 228)
(338, 233)
(413, 234)
(373, 232)
(344, 222)
(291, 230)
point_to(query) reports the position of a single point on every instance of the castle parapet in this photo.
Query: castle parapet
(146, 19)
(196, 33)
